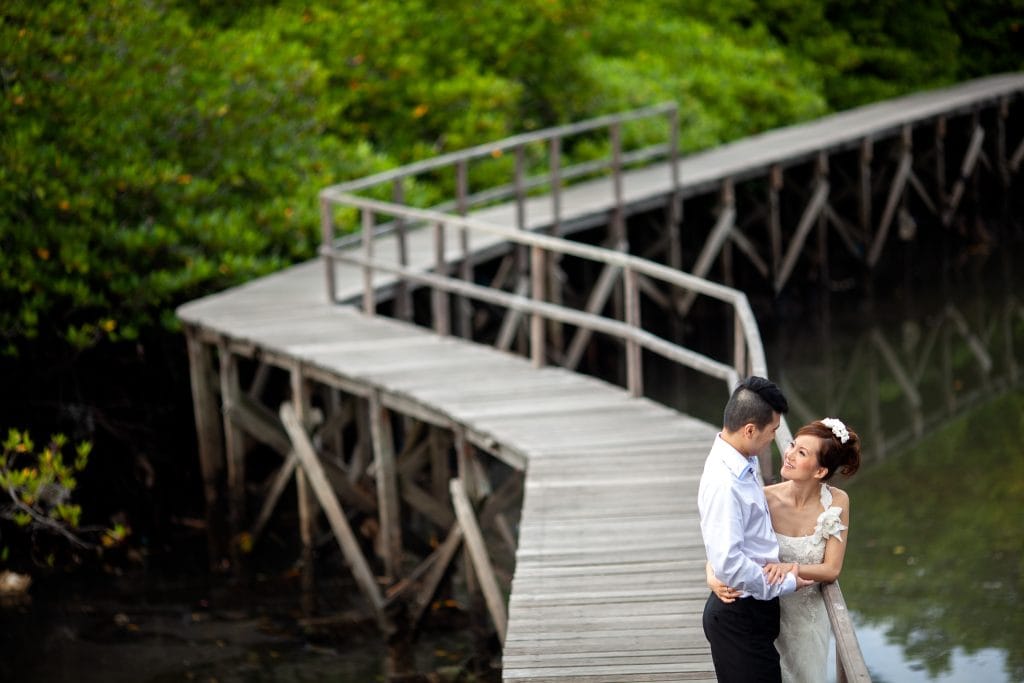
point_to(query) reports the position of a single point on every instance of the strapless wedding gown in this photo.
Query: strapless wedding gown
(804, 629)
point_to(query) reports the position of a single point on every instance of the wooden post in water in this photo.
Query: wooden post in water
(234, 442)
(210, 439)
(313, 471)
(387, 487)
(306, 504)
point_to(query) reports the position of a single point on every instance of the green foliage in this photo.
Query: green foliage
(146, 162)
(38, 484)
(154, 152)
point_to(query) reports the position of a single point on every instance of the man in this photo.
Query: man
(739, 539)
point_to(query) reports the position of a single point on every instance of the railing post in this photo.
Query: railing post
(538, 273)
(554, 259)
(739, 346)
(404, 301)
(675, 209)
(439, 298)
(634, 367)
(327, 245)
(369, 299)
(619, 218)
(522, 257)
(465, 309)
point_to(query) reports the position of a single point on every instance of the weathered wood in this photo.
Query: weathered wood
(439, 469)
(538, 275)
(849, 658)
(811, 213)
(634, 363)
(403, 297)
(234, 447)
(387, 487)
(895, 195)
(439, 299)
(441, 559)
(369, 295)
(966, 170)
(306, 503)
(478, 553)
(335, 515)
(281, 478)
(258, 422)
(713, 246)
(596, 302)
(209, 436)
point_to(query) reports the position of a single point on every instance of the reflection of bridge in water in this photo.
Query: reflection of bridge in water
(897, 385)
(413, 444)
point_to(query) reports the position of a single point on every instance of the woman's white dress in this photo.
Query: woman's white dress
(804, 628)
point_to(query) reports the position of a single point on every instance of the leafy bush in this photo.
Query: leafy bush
(147, 162)
(154, 152)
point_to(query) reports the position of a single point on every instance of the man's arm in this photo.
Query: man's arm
(721, 525)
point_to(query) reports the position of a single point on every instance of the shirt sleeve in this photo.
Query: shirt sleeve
(721, 524)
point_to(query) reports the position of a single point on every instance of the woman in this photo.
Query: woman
(809, 517)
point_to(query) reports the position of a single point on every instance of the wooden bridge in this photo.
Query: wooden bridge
(574, 498)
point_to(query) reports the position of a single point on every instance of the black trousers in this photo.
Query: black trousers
(742, 636)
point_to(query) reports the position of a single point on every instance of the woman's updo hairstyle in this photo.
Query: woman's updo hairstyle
(835, 455)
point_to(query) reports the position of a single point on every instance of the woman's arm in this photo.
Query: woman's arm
(835, 549)
(724, 593)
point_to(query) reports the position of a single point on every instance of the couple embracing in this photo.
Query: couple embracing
(769, 548)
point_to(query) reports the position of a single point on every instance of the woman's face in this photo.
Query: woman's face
(800, 459)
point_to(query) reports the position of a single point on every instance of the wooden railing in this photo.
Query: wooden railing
(747, 344)
(625, 270)
(523, 181)
(850, 664)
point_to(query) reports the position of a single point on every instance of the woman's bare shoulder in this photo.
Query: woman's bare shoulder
(772, 491)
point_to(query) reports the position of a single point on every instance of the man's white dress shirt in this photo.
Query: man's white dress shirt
(737, 528)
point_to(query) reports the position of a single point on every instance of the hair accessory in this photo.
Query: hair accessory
(838, 428)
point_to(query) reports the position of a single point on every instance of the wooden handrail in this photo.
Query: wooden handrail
(491, 148)
(754, 361)
(754, 358)
(850, 664)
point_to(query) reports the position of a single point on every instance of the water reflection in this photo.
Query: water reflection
(932, 381)
(936, 552)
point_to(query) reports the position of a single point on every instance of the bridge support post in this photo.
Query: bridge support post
(210, 438)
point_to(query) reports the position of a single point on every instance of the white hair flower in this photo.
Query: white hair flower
(838, 428)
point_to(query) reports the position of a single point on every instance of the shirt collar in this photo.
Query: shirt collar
(737, 463)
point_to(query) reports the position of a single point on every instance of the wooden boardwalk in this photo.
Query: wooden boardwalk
(609, 582)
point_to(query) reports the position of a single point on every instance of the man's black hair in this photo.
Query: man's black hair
(754, 400)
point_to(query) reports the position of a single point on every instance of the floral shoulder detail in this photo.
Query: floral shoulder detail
(829, 523)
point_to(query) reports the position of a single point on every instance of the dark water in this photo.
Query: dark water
(147, 629)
